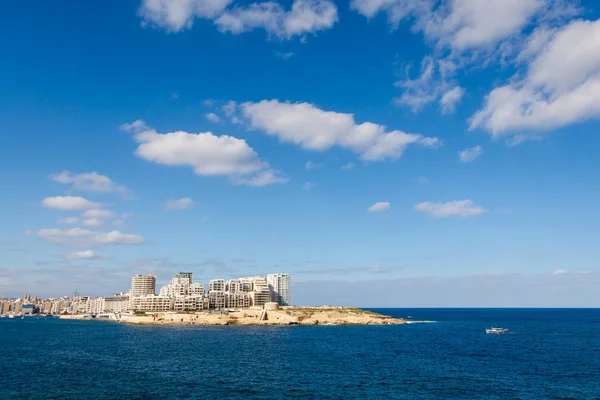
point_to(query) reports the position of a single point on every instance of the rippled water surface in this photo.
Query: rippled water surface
(550, 354)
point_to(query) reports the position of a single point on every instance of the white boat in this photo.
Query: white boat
(11, 316)
(496, 331)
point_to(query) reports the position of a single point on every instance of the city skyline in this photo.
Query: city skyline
(440, 155)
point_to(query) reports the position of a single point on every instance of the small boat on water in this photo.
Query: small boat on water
(496, 331)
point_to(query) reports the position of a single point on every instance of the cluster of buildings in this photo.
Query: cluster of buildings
(180, 294)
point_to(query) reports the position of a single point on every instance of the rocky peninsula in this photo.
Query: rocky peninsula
(255, 316)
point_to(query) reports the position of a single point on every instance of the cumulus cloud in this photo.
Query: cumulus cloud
(461, 208)
(206, 153)
(347, 167)
(177, 15)
(179, 204)
(470, 154)
(561, 86)
(314, 129)
(85, 255)
(212, 117)
(87, 182)
(68, 203)
(464, 33)
(380, 206)
(77, 237)
(304, 17)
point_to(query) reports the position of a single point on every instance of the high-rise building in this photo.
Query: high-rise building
(280, 288)
(143, 285)
(182, 278)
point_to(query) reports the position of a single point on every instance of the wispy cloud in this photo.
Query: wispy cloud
(179, 204)
(460, 208)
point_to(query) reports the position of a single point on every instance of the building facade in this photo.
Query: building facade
(280, 288)
(143, 285)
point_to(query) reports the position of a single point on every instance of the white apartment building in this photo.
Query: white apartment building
(117, 304)
(216, 285)
(261, 293)
(217, 299)
(151, 303)
(280, 288)
(190, 303)
(143, 285)
(196, 289)
(233, 286)
(182, 278)
(239, 300)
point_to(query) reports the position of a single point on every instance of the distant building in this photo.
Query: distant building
(28, 309)
(151, 303)
(261, 293)
(143, 285)
(280, 288)
(182, 278)
(196, 289)
(116, 304)
(216, 285)
(217, 299)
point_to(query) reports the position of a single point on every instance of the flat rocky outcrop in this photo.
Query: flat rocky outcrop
(285, 316)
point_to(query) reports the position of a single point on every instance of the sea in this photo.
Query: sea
(549, 354)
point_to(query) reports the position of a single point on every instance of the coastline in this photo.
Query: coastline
(288, 316)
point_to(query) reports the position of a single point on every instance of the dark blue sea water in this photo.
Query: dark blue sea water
(552, 354)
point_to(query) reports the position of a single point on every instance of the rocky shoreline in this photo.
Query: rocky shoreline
(284, 316)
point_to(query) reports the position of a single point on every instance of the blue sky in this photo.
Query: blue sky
(432, 153)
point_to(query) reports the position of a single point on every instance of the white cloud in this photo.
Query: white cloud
(314, 129)
(461, 208)
(285, 56)
(206, 153)
(397, 10)
(470, 154)
(68, 203)
(77, 237)
(305, 16)
(561, 86)
(464, 34)
(308, 186)
(179, 204)
(69, 220)
(450, 99)
(88, 182)
(347, 167)
(264, 178)
(380, 206)
(91, 222)
(85, 255)
(98, 213)
(177, 15)
(212, 117)
(311, 165)
(560, 272)
(422, 180)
